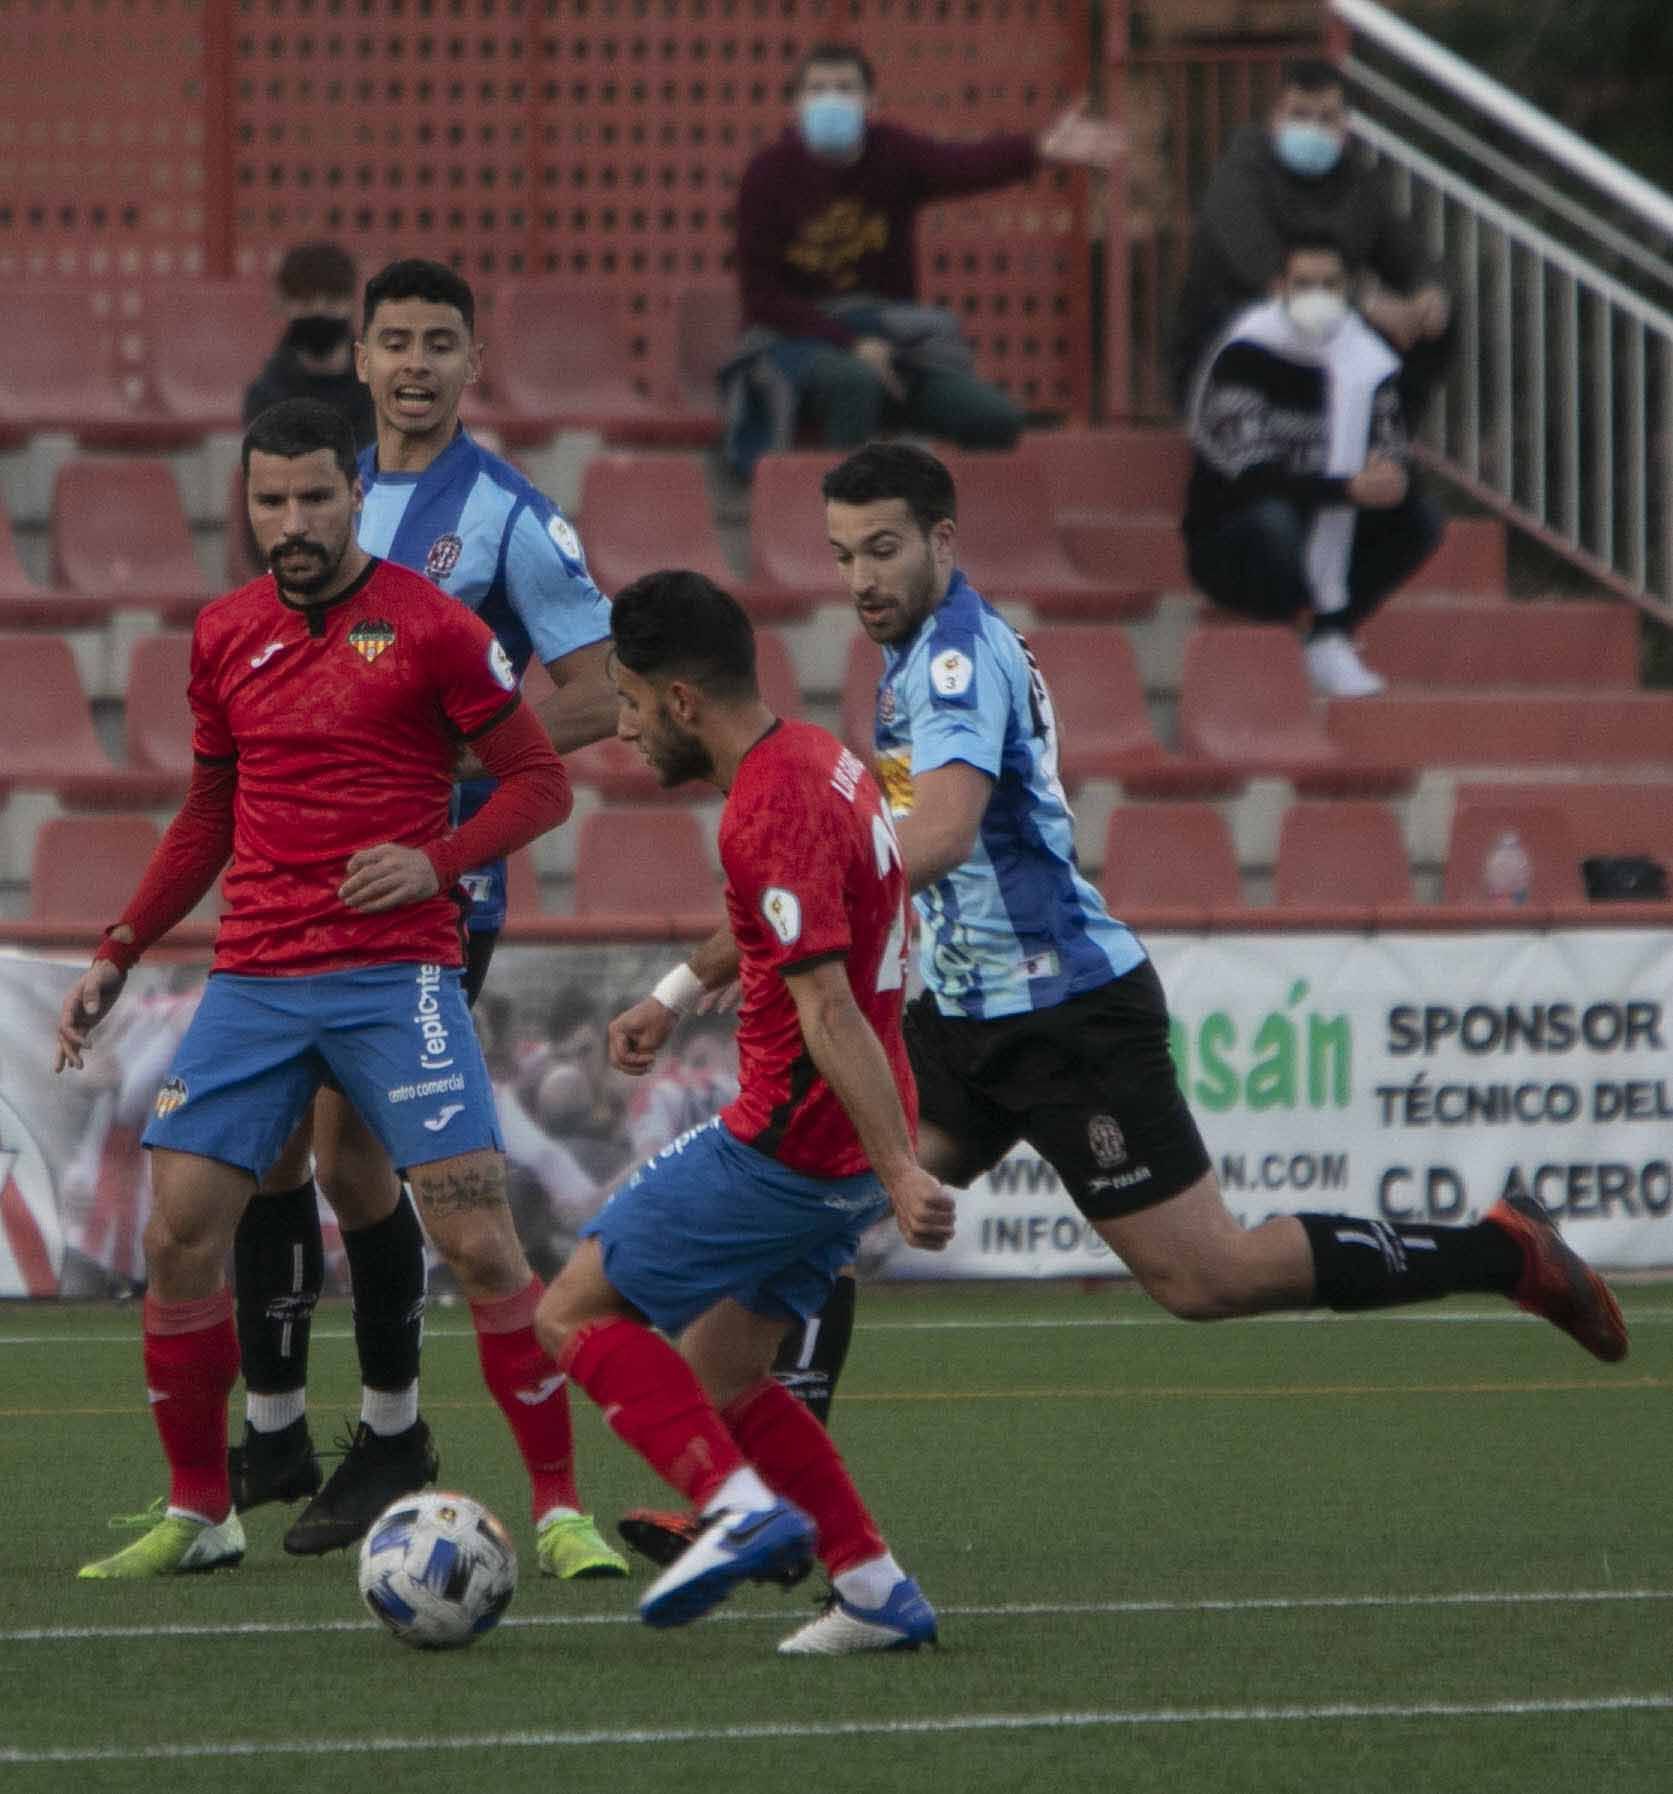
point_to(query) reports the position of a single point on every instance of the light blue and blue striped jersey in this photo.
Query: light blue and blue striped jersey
(471, 523)
(475, 526)
(1015, 927)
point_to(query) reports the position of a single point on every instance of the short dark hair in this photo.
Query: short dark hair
(296, 427)
(884, 470)
(1312, 74)
(678, 624)
(315, 270)
(831, 51)
(1313, 242)
(416, 278)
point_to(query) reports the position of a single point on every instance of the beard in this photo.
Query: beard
(678, 757)
(305, 585)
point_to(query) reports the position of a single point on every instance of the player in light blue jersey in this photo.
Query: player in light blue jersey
(436, 501)
(1042, 1018)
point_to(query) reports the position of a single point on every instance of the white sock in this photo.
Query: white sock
(869, 1584)
(744, 1490)
(556, 1513)
(389, 1411)
(191, 1513)
(273, 1413)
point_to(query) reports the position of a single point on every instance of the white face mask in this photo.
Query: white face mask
(1317, 313)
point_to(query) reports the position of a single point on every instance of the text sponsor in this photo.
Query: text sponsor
(1525, 1027)
(1288, 1059)
(432, 1030)
(1573, 1190)
(1283, 1171)
(406, 1093)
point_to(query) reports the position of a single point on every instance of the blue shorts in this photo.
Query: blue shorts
(397, 1039)
(709, 1218)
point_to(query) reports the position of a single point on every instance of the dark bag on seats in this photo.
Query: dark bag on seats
(1624, 878)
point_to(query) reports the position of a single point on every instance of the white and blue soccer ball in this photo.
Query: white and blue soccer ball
(438, 1569)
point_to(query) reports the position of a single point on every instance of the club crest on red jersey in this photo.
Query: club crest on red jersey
(370, 638)
(443, 556)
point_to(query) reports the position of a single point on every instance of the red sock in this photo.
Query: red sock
(797, 1460)
(530, 1391)
(654, 1403)
(191, 1364)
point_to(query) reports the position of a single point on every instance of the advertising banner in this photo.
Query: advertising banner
(1407, 1077)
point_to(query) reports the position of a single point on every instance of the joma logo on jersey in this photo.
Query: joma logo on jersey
(443, 556)
(369, 639)
(172, 1096)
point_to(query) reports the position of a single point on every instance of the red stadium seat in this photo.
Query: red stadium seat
(1244, 702)
(1508, 728)
(522, 887)
(1546, 839)
(119, 533)
(1104, 726)
(25, 605)
(1008, 545)
(647, 862)
(209, 339)
(1121, 472)
(1470, 561)
(860, 673)
(242, 565)
(1341, 855)
(1169, 856)
(1559, 642)
(86, 868)
(64, 365)
(788, 548)
(157, 718)
(47, 742)
(775, 672)
(561, 357)
(707, 322)
(640, 512)
(1622, 816)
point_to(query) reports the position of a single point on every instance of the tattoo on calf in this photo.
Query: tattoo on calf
(461, 1190)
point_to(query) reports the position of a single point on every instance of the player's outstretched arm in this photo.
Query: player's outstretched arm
(850, 1058)
(581, 708)
(638, 1034)
(90, 999)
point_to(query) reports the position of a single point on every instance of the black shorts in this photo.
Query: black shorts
(479, 950)
(1089, 1084)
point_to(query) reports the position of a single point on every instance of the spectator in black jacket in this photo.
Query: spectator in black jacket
(1301, 501)
(317, 291)
(1296, 175)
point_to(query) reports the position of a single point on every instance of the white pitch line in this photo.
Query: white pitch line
(1011, 1610)
(1287, 1714)
(1402, 1317)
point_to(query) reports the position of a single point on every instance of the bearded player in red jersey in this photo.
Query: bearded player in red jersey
(736, 1232)
(330, 699)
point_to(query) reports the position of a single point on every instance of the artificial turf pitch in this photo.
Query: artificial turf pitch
(1413, 1554)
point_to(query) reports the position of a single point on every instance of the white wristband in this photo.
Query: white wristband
(679, 989)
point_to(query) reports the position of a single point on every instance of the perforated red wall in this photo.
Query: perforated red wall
(520, 138)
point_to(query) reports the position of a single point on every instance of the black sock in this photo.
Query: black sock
(1375, 1264)
(812, 1356)
(386, 1272)
(278, 1264)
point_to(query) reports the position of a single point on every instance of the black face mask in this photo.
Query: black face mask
(316, 334)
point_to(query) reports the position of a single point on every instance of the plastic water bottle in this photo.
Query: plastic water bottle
(1507, 874)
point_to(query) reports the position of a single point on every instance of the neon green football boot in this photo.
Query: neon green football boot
(174, 1546)
(571, 1546)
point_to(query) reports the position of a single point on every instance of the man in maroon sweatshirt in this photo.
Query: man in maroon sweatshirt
(827, 256)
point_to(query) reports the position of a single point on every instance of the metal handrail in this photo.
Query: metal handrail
(1497, 102)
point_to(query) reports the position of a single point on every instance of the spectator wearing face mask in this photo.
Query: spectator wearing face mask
(1292, 175)
(827, 268)
(317, 291)
(1301, 503)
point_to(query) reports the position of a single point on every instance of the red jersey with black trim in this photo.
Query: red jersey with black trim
(344, 720)
(813, 870)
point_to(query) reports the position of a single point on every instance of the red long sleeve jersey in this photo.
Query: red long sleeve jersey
(343, 720)
(812, 871)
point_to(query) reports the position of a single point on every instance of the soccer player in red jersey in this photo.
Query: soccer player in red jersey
(737, 1230)
(330, 699)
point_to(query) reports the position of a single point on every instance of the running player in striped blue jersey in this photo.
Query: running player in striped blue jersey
(434, 500)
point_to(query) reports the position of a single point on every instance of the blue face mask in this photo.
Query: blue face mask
(833, 124)
(1308, 149)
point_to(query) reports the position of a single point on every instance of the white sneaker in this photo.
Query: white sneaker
(903, 1623)
(1334, 667)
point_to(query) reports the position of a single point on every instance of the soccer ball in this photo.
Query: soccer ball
(438, 1569)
